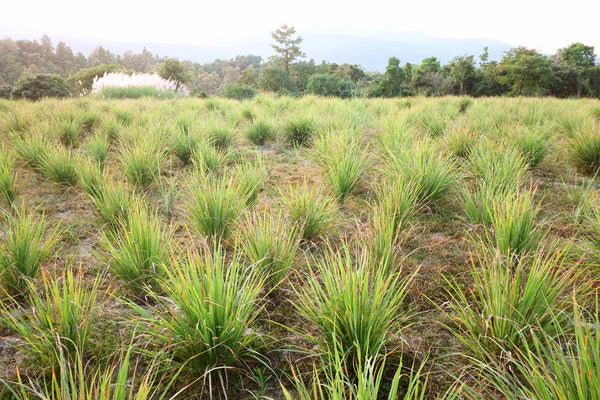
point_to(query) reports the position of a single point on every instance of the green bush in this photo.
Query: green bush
(38, 86)
(275, 79)
(331, 86)
(238, 92)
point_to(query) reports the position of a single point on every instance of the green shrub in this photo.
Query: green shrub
(36, 87)
(238, 92)
(330, 85)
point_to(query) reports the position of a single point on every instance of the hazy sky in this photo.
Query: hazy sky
(545, 25)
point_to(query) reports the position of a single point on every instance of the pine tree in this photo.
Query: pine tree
(287, 48)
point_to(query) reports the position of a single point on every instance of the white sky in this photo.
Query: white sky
(545, 25)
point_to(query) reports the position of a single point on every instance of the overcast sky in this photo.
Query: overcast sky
(545, 25)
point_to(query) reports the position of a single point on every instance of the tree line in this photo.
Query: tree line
(571, 72)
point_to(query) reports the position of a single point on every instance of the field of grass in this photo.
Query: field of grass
(423, 248)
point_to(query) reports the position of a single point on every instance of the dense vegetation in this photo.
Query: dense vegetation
(571, 72)
(300, 248)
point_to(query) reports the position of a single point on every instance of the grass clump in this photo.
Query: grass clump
(8, 176)
(343, 159)
(208, 158)
(209, 309)
(310, 210)
(63, 313)
(251, 176)
(113, 201)
(512, 302)
(60, 165)
(299, 132)
(585, 151)
(497, 166)
(259, 132)
(97, 148)
(139, 252)
(184, 145)
(533, 147)
(432, 175)
(25, 246)
(353, 306)
(270, 245)
(214, 206)
(221, 137)
(142, 161)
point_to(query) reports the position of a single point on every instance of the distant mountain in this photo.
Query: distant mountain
(371, 50)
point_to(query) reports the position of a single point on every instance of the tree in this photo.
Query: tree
(101, 56)
(391, 83)
(275, 79)
(248, 76)
(574, 70)
(524, 70)
(462, 69)
(172, 69)
(287, 48)
(38, 86)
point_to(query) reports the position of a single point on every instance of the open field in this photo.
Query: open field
(300, 248)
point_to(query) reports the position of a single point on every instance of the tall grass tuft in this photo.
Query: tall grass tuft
(508, 216)
(31, 149)
(208, 158)
(97, 148)
(585, 151)
(250, 176)
(207, 314)
(552, 368)
(299, 132)
(432, 175)
(8, 176)
(184, 145)
(533, 146)
(497, 166)
(142, 161)
(390, 222)
(215, 205)
(343, 159)
(113, 202)
(310, 210)
(25, 246)
(139, 252)
(270, 245)
(61, 318)
(60, 165)
(511, 301)
(352, 304)
(259, 132)
(221, 137)
(460, 140)
(68, 131)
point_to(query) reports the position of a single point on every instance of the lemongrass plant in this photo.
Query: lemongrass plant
(214, 205)
(8, 175)
(206, 317)
(61, 318)
(60, 165)
(513, 300)
(310, 210)
(353, 304)
(270, 245)
(343, 160)
(25, 244)
(139, 252)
